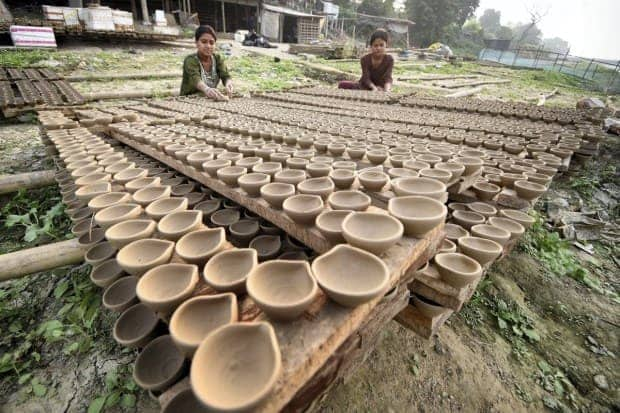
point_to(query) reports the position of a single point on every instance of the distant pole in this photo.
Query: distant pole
(145, 12)
(564, 60)
(587, 69)
(514, 61)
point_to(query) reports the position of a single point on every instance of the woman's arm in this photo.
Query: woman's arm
(365, 80)
(387, 86)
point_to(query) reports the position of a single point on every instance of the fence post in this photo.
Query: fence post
(587, 69)
(613, 79)
(537, 57)
(563, 61)
(557, 57)
(514, 61)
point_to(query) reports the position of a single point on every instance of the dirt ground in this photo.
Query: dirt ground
(531, 339)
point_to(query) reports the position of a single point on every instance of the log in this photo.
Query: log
(89, 97)
(30, 180)
(543, 98)
(464, 93)
(20, 263)
(476, 83)
(121, 76)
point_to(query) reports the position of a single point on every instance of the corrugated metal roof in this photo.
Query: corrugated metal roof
(290, 12)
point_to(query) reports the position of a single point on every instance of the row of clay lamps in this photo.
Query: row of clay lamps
(388, 119)
(181, 232)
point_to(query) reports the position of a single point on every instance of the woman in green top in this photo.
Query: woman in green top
(203, 71)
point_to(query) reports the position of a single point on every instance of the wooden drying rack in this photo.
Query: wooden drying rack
(329, 341)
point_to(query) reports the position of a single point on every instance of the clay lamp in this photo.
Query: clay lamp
(418, 214)
(457, 206)
(99, 252)
(267, 246)
(140, 256)
(121, 294)
(269, 168)
(91, 238)
(225, 217)
(467, 219)
(208, 207)
(137, 184)
(538, 178)
(297, 163)
(150, 194)
(215, 375)
(282, 289)
(429, 159)
(88, 192)
(251, 183)
(456, 169)
(275, 193)
(373, 180)
(398, 160)
(125, 232)
(197, 159)
(107, 200)
(349, 200)
(471, 164)
(416, 165)
(82, 227)
(446, 246)
(438, 174)
(351, 276)
(457, 269)
(211, 167)
(94, 178)
(230, 175)
(317, 169)
(182, 189)
(231, 156)
(111, 215)
(454, 232)
(243, 231)
(303, 209)
(377, 156)
(521, 217)
(513, 149)
(136, 327)
(119, 166)
(486, 191)
(130, 174)
(482, 208)
(86, 170)
(428, 187)
(508, 179)
(290, 176)
(279, 157)
(158, 209)
(336, 149)
(329, 224)
(374, 232)
(106, 272)
(515, 229)
(427, 307)
(525, 190)
(164, 287)
(317, 186)
(197, 317)
(159, 365)
(342, 178)
(173, 226)
(198, 246)
(481, 249)
(228, 270)
(499, 235)
(112, 159)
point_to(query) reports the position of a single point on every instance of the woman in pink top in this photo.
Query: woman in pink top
(376, 66)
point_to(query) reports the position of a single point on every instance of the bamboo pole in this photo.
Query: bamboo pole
(30, 180)
(122, 76)
(89, 97)
(20, 263)
(464, 93)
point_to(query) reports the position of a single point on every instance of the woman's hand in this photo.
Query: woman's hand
(215, 94)
(229, 88)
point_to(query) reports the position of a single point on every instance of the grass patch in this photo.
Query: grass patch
(262, 73)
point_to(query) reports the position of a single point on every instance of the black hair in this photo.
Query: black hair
(380, 34)
(205, 30)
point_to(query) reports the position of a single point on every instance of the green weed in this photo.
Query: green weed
(120, 391)
(555, 254)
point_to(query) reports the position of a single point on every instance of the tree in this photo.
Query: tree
(556, 44)
(490, 22)
(527, 35)
(435, 20)
(377, 7)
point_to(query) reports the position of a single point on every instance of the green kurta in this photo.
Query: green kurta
(191, 73)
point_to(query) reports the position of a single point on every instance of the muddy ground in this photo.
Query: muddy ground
(541, 332)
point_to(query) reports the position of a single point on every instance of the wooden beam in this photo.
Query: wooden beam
(122, 76)
(89, 97)
(20, 263)
(30, 180)
(464, 93)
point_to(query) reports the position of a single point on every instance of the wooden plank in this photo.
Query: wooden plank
(426, 327)
(429, 284)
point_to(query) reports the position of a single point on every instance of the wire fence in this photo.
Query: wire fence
(603, 74)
